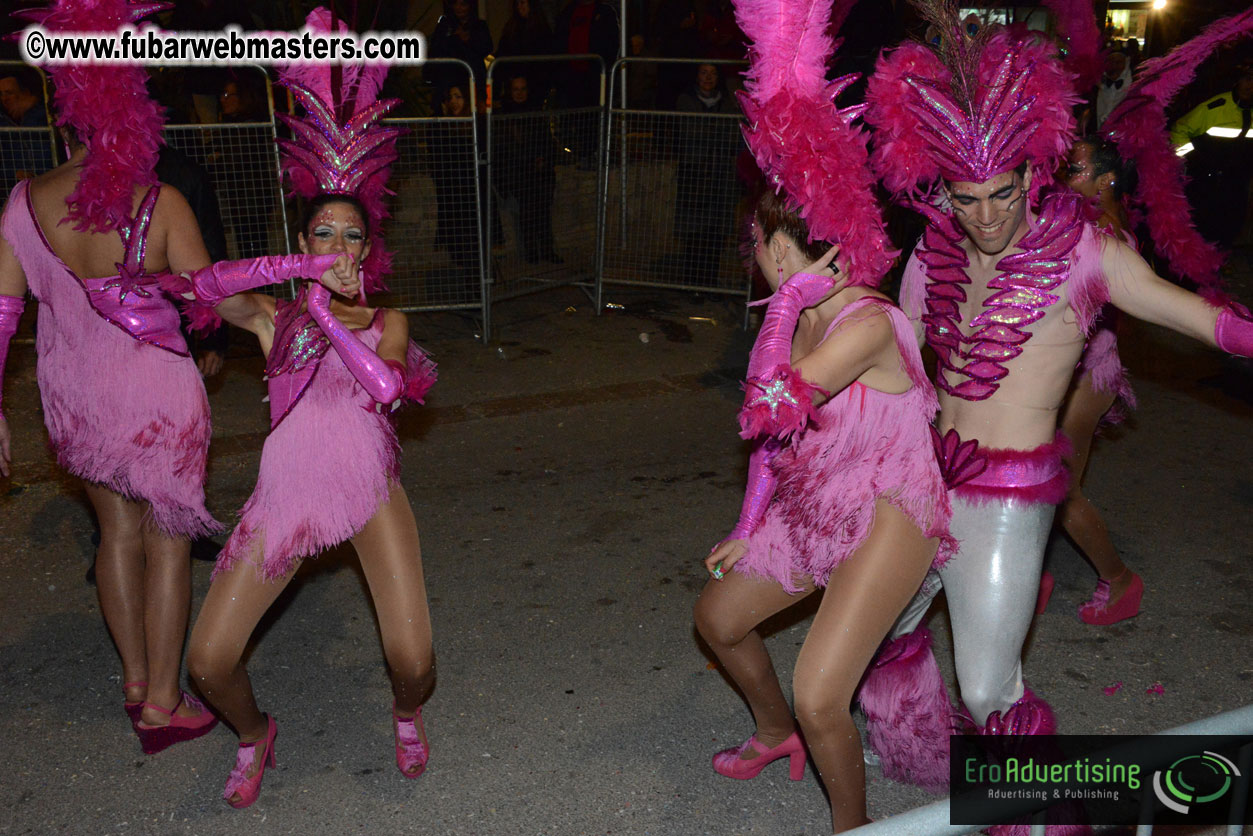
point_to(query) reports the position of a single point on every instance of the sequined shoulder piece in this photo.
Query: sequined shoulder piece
(1022, 291)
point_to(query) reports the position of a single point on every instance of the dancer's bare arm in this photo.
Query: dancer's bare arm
(1135, 289)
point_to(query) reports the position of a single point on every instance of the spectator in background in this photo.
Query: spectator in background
(677, 37)
(706, 181)
(459, 34)
(524, 156)
(584, 26)
(1132, 48)
(205, 83)
(1114, 85)
(452, 157)
(244, 169)
(1220, 167)
(527, 33)
(21, 96)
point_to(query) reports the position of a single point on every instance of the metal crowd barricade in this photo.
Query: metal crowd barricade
(25, 151)
(241, 161)
(670, 209)
(541, 227)
(933, 819)
(435, 233)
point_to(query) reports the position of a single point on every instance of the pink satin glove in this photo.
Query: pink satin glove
(759, 491)
(223, 279)
(11, 308)
(773, 346)
(1234, 330)
(383, 380)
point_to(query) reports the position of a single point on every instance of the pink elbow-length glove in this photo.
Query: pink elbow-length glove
(223, 279)
(383, 380)
(760, 489)
(11, 308)
(777, 401)
(1234, 330)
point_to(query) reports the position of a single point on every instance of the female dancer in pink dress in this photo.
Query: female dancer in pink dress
(844, 491)
(123, 402)
(330, 467)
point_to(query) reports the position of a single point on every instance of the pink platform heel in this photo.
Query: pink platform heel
(1101, 612)
(153, 739)
(729, 763)
(134, 710)
(248, 787)
(411, 753)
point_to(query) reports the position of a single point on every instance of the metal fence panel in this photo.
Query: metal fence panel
(436, 230)
(543, 166)
(25, 151)
(673, 203)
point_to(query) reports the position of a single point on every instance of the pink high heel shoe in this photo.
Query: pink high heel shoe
(1101, 612)
(729, 763)
(153, 739)
(411, 753)
(248, 787)
(134, 710)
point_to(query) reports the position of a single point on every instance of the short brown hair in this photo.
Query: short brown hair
(775, 214)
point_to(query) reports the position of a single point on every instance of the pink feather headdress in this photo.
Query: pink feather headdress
(1139, 129)
(338, 146)
(1077, 29)
(979, 106)
(808, 148)
(109, 109)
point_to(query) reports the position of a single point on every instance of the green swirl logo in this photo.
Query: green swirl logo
(1195, 779)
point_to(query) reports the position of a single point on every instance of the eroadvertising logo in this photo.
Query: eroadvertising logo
(1097, 780)
(1194, 779)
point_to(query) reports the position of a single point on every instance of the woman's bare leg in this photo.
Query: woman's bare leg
(391, 558)
(1078, 516)
(727, 614)
(863, 598)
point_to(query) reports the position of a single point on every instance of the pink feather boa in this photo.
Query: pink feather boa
(108, 107)
(1139, 128)
(1076, 25)
(810, 149)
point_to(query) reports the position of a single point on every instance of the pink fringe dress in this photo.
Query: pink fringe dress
(865, 445)
(121, 412)
(325, 467)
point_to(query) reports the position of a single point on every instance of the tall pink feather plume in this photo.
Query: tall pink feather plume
(808, 148)
(339, 146)
(108, 107)
(1076, 26)
(1016, 109)
(1138, 127)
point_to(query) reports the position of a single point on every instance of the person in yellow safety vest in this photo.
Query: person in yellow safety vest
(1217, 139)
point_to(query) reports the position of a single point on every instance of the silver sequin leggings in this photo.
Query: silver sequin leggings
(991, 585)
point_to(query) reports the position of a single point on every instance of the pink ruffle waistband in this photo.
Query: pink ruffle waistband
(1031, 476)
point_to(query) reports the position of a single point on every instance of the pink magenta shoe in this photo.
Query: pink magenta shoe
(248, 787)
(729, 763)
(411, 752)
(1101, 612)
(1046, 592)
(155, 738)
(134, 710)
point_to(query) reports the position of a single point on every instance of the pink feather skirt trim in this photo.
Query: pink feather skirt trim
(325, 471)
(1030, 476)
(1102, 366)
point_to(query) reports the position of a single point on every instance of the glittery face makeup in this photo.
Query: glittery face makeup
(990, 213)
(337, 228)
(1080, 173)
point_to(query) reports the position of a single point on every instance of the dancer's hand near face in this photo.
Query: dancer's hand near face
(728, 553)
(343, 277)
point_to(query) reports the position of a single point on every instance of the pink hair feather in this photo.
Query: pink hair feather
(339, 145)
(808, 148)
(1076, 26)
(108, 107)
(1139, 128)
